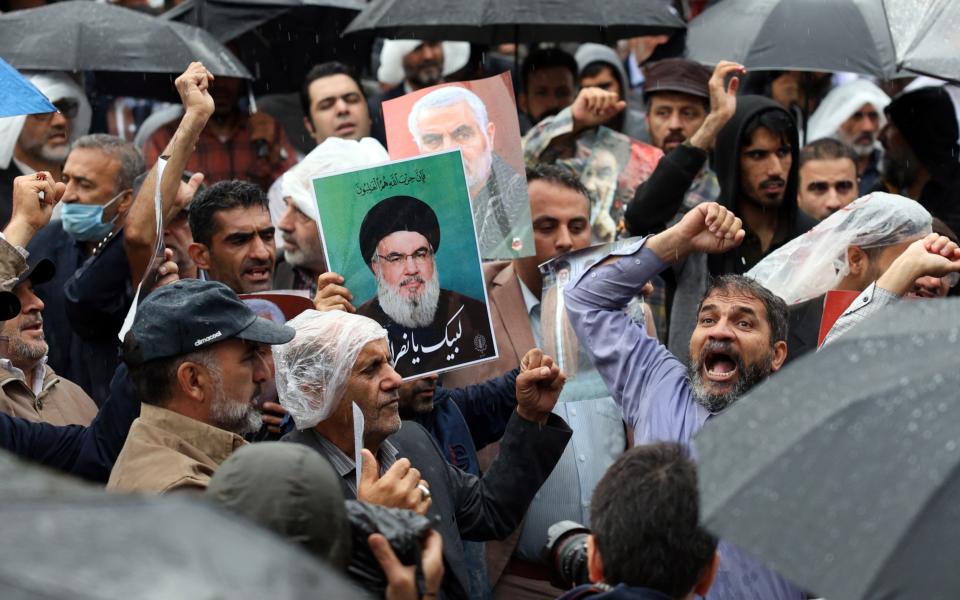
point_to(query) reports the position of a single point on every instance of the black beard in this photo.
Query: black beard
(900, 172)
(749, 376)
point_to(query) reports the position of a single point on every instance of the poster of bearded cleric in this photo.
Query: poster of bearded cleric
(480, 118)
(402, 236)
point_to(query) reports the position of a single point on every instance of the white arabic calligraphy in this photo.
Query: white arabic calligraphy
(412, 346)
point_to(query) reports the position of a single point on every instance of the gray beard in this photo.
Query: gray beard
(749, 377)
(410, 312)
(19, 350)
(481, 173)
(233, 416)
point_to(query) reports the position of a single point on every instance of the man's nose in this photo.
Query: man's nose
(286, 221)
(342, 107)
(392, 380)
(564, 241)
(258, 249)
(775, 166)
(722, 331)
(432, 52)
(59, 120)
(833, 200)
(674, 121)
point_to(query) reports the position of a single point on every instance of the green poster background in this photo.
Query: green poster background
(436, 179)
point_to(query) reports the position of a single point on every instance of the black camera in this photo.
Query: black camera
(565, 554)
(404, 530)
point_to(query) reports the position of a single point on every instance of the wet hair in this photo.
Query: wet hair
(224, 195)
(547, 58)
(131, 162)
(775, 306)
(645, 516)
(557, 176)
(320, 71)
(778, 122)
(827, 149)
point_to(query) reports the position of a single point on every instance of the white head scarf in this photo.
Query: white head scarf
(842, 102)
(814, 263)
(455, 57)
(313, 367)
(332, 156)
(55, 85)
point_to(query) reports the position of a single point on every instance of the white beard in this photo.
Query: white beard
(479, 175)
(233, 416)
(410, 312)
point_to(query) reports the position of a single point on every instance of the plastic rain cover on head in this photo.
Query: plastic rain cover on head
(814, 263)
(312, 369)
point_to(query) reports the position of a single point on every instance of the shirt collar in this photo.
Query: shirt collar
(344, 465)
(39, 372)
(24, 167)
(529, 299)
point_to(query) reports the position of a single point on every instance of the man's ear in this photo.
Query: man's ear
(123, 204)
(594, 561)
(491, 133)
(200, 255)
(705, 582)
(191, 379)
(858, 261)
(779, 355)
(308, 125)
(522, 102)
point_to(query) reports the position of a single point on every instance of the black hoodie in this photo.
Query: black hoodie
(660, 198)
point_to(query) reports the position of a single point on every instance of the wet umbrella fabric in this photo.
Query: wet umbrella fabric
(843, 470)
(18, 96)
(65, 539)
(279, 40)
(113, 42)
(498, 21)
(796, 35)
(931, 44)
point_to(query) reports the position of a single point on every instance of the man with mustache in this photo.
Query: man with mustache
(853, 113)
(454, 117)
(739, 339)
(32, 143)
(399, 239)
(198, 357)
(233, 236)
(755, 146)
(29, 388)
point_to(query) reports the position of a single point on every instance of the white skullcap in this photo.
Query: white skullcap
(332, 156)
(814, 263)
(55, 85)
(312, 369)
(455, 57)
(841, 103)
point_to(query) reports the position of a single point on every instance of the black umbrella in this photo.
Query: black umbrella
(279, 40)
(796, 35)
(843, 471)
(931, 34)
(497, 21)
(64, 539)
(130, 53)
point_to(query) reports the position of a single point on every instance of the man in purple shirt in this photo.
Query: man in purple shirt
(740, 338)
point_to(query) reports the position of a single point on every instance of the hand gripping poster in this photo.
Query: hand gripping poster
(480, 118)
(402, 236)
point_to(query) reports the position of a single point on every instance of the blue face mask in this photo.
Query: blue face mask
(84, 222)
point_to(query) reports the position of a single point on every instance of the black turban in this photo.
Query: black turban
(397, 213)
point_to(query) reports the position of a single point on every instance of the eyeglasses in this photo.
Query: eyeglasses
(822, 187)
(68, 107)
(419, 256)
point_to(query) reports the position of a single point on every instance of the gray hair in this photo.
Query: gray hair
(447, 96)
(131, 162)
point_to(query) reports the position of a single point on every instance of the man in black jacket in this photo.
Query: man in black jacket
(755, 147)
(409, 470)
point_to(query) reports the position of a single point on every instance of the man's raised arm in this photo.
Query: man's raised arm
(635, 367)
(140, 228)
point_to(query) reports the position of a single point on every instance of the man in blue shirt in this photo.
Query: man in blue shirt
(739, 339)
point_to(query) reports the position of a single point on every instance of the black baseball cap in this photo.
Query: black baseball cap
(191, 314)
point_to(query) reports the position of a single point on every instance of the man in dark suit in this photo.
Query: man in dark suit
(404, 467)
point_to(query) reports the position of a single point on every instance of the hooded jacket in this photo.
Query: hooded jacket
(633, 121)
(726, 163)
